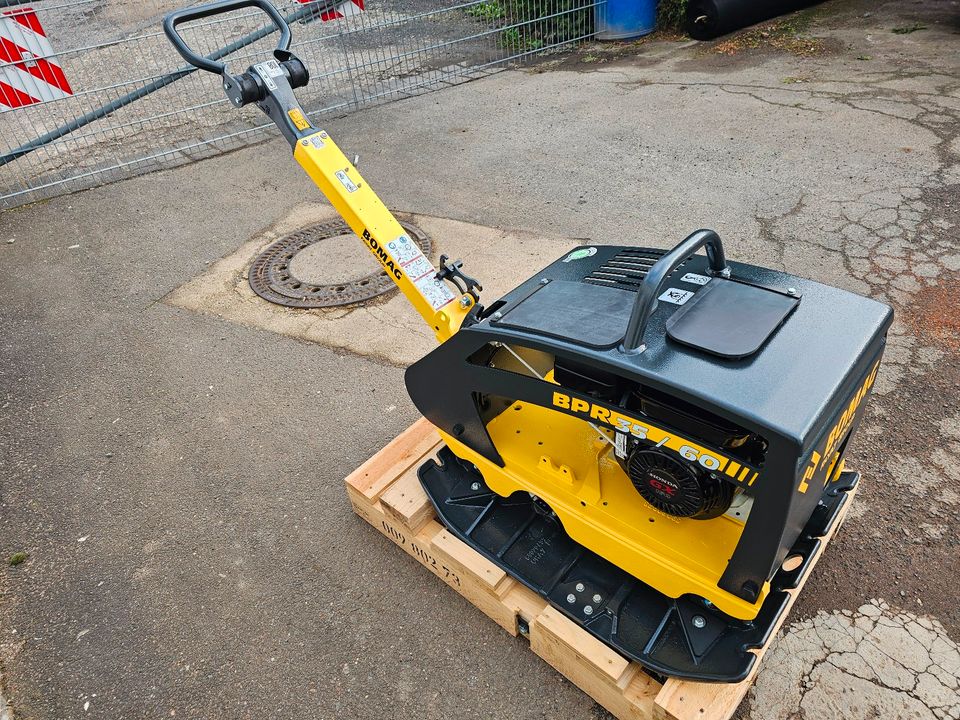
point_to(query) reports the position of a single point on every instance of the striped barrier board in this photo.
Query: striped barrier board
(29, 71)
(342, 10)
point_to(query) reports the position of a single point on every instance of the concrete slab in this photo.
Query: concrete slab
(386, 329)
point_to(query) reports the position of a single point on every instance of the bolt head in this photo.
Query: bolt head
(475, 486)
(464, 302)
(699, 621)
(597, 599)
(579, 587)
(571, 598)
(588, 610)
(497, 315)
(792, 291)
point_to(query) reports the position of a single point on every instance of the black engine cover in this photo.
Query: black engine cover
(802, 392)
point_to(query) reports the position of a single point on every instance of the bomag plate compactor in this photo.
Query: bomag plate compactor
(652, 440)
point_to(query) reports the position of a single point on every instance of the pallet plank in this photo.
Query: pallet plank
(593, 667)
(404, 451)
(405, 501)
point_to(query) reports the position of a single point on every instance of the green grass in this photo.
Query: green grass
(17, 558)
(908, 29)
(525, 23)
(486, 11)
(671, 15)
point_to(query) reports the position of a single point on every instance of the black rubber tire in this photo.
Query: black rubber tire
(708, 19)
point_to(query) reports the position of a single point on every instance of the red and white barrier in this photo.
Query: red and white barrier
(344, 9)
(29, 71)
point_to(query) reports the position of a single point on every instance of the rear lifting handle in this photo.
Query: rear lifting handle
(270, 84)
(656, 278)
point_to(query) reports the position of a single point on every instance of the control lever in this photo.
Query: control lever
(452, 271)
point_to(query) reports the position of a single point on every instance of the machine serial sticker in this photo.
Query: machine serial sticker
(676, 296)
(346, 181)
(620, 444)
(580, 254)
(436, 293)
(273, 67)
(316, 141)
(268, 71)
(695, 279)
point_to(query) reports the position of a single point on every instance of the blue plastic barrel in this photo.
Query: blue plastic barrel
(624, 19)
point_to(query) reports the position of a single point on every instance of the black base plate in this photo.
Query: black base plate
(684, 637)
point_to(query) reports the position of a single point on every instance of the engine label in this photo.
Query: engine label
(620, 445)
(707, 458)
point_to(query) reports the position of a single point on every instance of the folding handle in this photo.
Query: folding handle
(171, 21)
(646, 301)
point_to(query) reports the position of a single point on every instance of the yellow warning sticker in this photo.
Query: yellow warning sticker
(299, 121)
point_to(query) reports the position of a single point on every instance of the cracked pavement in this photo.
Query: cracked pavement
(176, 476)
(871, 662)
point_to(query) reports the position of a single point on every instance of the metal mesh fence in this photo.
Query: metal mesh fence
(116, 100)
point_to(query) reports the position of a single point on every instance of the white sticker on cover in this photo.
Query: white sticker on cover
(676, 296)
(695, 279)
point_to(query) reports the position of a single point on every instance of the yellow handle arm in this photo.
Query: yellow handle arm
(373, 223)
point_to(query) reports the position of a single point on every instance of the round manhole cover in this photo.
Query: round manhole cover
(310, 268)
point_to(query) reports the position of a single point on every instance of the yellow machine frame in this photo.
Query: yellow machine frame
(351, 196)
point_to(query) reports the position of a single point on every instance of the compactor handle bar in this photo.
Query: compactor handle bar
(270, 84)
(170, 22)
(656, 278)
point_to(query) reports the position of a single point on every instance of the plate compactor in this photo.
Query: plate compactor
(653, 441)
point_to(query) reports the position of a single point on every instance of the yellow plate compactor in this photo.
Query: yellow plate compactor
(651, 440)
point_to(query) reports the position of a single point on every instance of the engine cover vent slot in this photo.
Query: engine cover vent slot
(625, 270)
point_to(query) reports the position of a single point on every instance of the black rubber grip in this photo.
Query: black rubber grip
(171, 21)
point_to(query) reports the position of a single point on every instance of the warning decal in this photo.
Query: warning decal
(404, 250)
(420, 270)
(676, 296)
(435, 291)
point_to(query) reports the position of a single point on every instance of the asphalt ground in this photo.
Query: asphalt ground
(175, 475)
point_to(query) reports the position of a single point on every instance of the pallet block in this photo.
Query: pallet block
(386, 492)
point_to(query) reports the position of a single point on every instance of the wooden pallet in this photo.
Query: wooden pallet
(386, 492)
